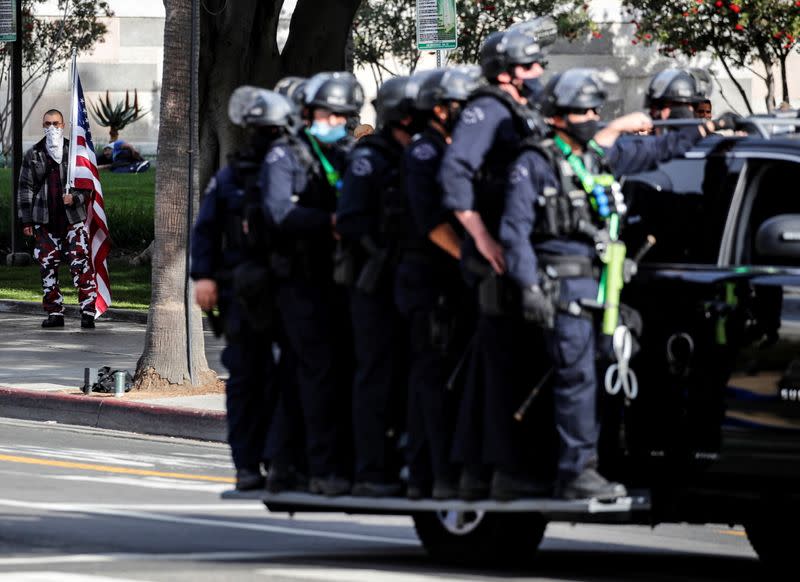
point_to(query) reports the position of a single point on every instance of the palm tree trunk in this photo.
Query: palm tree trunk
(172, 355)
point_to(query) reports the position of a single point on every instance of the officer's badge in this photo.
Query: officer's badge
(518, 174)
(275, 155)
(423, 152)
(361, 167)
(473, 115)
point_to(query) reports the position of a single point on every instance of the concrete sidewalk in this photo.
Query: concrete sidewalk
(41, 372)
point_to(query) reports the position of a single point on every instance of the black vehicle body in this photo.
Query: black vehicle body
(713, 435)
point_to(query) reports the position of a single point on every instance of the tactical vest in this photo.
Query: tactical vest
(565, 212)
(395, 225)
(245, 230)
(492, 177)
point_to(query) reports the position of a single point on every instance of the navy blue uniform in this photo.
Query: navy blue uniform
(216, 250)
(473, 175)
(372, 178)
(298, 203)
(571, 344)
(429, 291)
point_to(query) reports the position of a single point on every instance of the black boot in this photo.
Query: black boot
(472, 486)
(371, 489)
(53, 320)
(87, 320)
(249, 479)
(592, 485)
(507, 487)
(330, 486)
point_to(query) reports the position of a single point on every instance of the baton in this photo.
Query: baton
(215, 321)
(520, 413)
(451, 381)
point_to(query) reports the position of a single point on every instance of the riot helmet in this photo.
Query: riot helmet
(253, 107)
(685, 86)
(395, 100)
(293, 89)
(577, 90)
(522, 44)
(338, 92)
(446, 85)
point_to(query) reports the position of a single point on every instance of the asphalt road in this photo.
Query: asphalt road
(86, 505)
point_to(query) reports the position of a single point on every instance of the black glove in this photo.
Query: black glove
(537, 307)
(728, 120)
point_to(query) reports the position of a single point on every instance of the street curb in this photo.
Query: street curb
(112, 314)
(35, 308)
(113, 414)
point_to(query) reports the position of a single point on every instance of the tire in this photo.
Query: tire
(480, 538)
(773, 537)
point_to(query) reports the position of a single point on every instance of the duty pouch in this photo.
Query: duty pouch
(344, 265)
(371, 273)
(492, 295)
(252, 289)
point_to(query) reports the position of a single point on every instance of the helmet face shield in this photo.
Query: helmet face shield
(251, 106)
(578, 90)
(339, 92)
(685, 86)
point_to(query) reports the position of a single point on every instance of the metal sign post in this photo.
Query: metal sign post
(437, 26)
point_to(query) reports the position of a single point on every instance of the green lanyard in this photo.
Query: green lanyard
(334, 179)
(594, 185)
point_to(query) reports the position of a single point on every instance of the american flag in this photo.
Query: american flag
(83, 175)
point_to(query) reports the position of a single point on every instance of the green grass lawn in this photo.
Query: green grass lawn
(129, 201)
(130, 286)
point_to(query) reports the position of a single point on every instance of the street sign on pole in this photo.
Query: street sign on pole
(8, 21)
(436, 25)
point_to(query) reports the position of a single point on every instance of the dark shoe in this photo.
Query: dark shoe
(444, 489)
(87, 320)
(472, 486)
(507, 487)
(417, 492)
(53, 320)
(286, 479)
(249, 479)
(331, 486)
(368, 489)
(592, 485)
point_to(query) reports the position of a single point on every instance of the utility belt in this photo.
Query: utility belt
(301, 259)
(251, 287)
(363, 266)
(568, 266)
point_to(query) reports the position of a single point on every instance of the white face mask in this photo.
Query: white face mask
(54, 139)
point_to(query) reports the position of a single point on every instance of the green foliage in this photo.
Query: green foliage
(738, 32)
(47, 45)
(130, 286)
(388, 28)
(129, 201)
(116, 117)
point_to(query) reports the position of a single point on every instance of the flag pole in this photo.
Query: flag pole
(73, 114)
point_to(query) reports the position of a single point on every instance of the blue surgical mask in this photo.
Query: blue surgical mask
(327, 133)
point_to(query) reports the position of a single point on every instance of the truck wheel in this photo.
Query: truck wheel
(479, 537)
(771, 539)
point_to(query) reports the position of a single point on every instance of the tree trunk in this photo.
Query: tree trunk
(784, 80)
(238, 47)
(165, 362)
(769, 78)
(318, 36)
(735, 82)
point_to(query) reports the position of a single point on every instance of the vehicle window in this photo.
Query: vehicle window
(771, 191)
(684, 204)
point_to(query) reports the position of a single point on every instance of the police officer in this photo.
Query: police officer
(673, 93)
(550, 224)
(372, 220)
(429, 291)
(472, 176)
(299, 185)
(228, 267)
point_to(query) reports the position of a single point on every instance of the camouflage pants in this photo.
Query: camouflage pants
(74, 248)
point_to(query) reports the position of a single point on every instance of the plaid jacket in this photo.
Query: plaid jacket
(32, 191)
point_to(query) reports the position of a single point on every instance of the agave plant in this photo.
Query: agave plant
(116, 117)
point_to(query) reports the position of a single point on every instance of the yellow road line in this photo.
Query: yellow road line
(732, 532)
(112, 469)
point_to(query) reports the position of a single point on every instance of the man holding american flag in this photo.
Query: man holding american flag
(61, 206)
